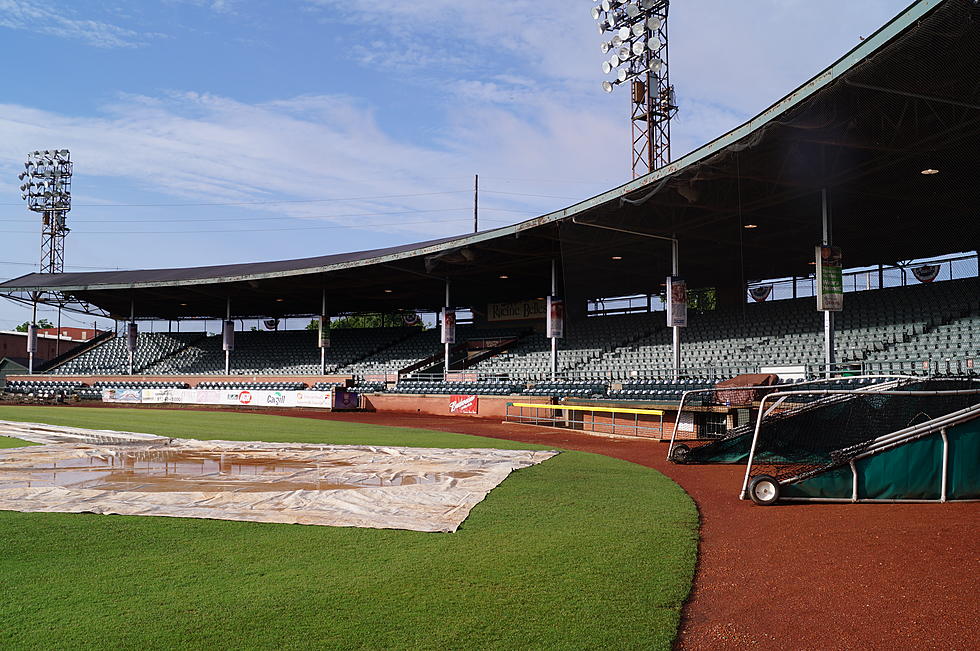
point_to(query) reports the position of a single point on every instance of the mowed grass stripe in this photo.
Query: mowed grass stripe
(580, 551)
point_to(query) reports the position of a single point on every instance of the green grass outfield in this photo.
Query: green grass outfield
(581, 551)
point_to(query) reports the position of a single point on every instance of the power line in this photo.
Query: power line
(264, 230)
(254, 203)
(266, 218)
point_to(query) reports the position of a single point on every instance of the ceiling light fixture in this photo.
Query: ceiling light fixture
(617, 257)
(751, 226)
(930, 171)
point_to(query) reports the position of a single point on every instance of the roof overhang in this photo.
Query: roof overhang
(905, 98)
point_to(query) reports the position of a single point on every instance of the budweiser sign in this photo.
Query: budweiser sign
(463, 405)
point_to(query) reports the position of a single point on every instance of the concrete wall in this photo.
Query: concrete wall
(438, 405)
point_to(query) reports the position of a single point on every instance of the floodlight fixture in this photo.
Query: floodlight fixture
(639, 55)
(48, 191)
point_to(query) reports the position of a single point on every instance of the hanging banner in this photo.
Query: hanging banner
(556, 318)
(830, 279)
(32, 338)
(132, 333)
(271, 324)
(448, 322)
(228, 336)
(676, 302)
(324, 337)
(926, 273)
(760, 293)
(411, 319)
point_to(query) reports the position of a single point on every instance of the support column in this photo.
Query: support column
(32, 338)
(57, 343)
(324, 333)
(675, 263)
(828, 316)
(225, 336)
(554, 340)
(881, 276)
(130, 337)
(445, 335)
(794, 286)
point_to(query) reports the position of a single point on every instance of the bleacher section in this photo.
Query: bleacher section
(112, 357)
(586, 342)
(485, 388)
(891, 330)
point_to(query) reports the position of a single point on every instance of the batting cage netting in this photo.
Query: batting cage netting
(828, 434)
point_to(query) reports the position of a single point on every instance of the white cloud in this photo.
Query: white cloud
(43, 18)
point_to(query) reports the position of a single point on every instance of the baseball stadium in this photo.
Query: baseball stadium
(733, 402)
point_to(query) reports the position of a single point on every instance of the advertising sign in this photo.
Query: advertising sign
(315, 399)
(121, 395)
(132, 333)
(464, 405)
(676, 302)
(345, 399)
(228, 336)
(324, 332)
(556, 318)
(448, 321)
(830, 279)
(517, 311)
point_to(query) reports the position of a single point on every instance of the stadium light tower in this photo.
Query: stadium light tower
(47, 190)
(637, 50)
(46, 186)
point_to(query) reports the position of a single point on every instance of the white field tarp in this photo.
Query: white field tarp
(99, 471)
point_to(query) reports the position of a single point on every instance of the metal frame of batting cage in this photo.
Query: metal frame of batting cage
(867, 389)
(879, 444)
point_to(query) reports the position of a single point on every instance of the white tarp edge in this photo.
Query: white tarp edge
(98, 471)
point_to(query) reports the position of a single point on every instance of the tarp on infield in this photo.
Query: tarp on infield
(96, 471)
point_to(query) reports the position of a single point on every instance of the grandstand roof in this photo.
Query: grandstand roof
(905, 99)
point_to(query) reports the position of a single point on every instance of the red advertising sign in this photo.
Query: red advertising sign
(244, 397)
(464, 405)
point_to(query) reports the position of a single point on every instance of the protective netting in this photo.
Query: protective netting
(831, 433)
(717, 426)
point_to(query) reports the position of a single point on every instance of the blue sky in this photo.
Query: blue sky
(215, 131)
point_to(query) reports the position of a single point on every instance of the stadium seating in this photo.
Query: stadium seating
(890, 330)
(484, 388)
(44, 388)
(112, 357)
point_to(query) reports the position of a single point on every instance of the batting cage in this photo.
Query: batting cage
(716, 425)
(891, 444)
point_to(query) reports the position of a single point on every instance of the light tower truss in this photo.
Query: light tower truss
(637, 49)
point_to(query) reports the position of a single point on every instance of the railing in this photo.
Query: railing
(566, 417)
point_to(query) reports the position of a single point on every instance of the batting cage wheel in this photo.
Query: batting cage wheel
(679, 453)
(764, 490)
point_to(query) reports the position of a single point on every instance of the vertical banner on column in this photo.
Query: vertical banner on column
(228, 336)
(132, 333)
(32, 338)
(324, 332)
(830, 279)
(556, 317)
(448, 321)
(676, 302)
